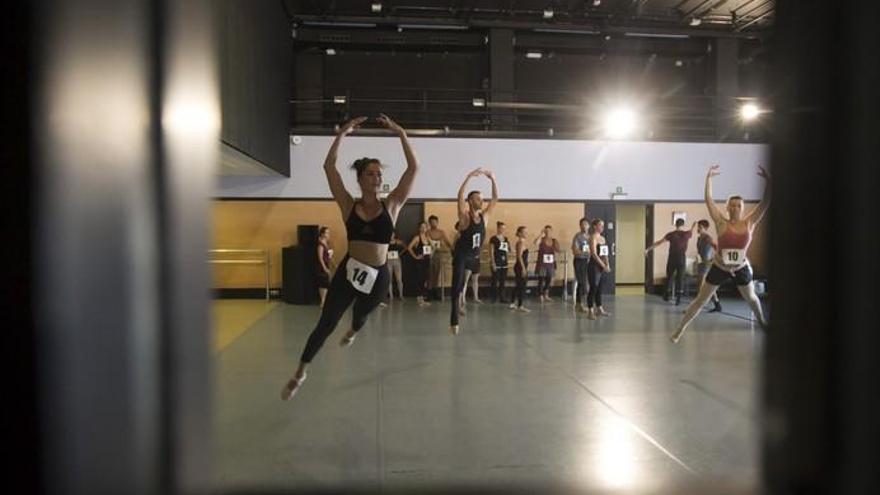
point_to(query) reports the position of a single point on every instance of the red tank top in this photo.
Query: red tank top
(734, 240)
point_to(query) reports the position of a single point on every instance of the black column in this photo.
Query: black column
(821, 365)
(501, 72)
(123, 135)
(726, 76)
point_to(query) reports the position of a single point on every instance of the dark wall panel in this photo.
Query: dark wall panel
(255, 50)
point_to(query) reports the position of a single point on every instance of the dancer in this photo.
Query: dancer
(500, 250)
(520, 270)
(325, 262)
(580, 248)
(731, 258)
(706, 251)
(362, 277)
(395, 250)
(545, 264)
(440, 245)
(596, 268)
(472, 230)
(421, 251)
(676, 261)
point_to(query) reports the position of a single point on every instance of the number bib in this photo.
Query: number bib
(330, 253)
(503, 246)
(426, 250)
(435, 245)
(733, 257)
(603, 250)
(393, 255)
(548, 258)
(476, 240)
(585, 248)
(361, 276)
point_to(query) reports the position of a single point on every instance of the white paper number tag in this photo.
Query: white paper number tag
(503, 246)
(733, 256)
(393, 255)
(435, 244)
(585, 247)
(426, 250)
(603, 250)
(476, 240)
(330, 253)
(548, 258)
(361, 276)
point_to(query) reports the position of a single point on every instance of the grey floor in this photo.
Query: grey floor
(547, 397)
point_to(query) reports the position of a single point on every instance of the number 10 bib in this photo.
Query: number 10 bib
(732, 257)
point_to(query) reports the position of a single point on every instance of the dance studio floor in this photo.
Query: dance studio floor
(514, 400)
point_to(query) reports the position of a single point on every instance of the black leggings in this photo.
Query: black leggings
(580, 273)
(675, 268)
(423, 271)
(520, 290)
(339, 297)
(594, 275)
(545, 278)
(459, 265)
(499, 277)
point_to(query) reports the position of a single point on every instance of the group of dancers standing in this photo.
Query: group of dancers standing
(363, 276)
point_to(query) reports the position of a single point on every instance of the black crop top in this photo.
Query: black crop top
(377, 230)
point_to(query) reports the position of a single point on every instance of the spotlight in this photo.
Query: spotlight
(597, 3)
(376, 7)
(534, 55)
(330, 51)
(619, 122)
(696, 21)
(339, 100)
(548, 13)
(479, 102)
(749, 112)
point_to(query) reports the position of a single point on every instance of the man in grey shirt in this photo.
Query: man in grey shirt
(580, 248)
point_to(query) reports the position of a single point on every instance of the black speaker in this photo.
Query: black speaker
(298, 270)
(307, 235)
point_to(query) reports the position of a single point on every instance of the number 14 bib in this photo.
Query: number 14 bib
(361, 276)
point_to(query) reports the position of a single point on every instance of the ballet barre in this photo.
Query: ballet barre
(253, 257)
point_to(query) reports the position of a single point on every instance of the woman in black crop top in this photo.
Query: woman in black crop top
(362, 277)
(472, 231)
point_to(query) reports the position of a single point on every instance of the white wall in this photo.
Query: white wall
(526, 169)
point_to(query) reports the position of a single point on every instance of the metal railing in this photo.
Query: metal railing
(485, 257)
(263, 259)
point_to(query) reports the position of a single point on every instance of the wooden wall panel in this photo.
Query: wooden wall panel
(272, 225)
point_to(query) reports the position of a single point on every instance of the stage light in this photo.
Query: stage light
(749, 111)
(619, 122)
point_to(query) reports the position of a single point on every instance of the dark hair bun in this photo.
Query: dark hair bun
(361, 164)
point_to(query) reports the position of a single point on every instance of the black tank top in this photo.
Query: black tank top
(525, 258)
(471, 238)
(420, 249)
(378, 230)
(598, 252)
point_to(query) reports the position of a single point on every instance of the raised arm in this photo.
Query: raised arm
(334, 180)
(462, 201)
(400, 194)
(757, 214)
(489, 209)
(714, 212)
